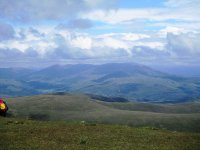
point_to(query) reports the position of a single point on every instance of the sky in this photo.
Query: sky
(152, 32)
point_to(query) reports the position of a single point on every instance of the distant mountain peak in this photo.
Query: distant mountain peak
(126, 80)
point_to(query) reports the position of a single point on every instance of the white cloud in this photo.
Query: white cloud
(30, 10)
(64, 44)
(21, 46)
(182, 3)
(187, 10)
(120, 15)
(134, 36)
(112, 43)
(127, 41)
(36, 10)
(171, 29)
(125, 36)
(82, 42)
(153, 45)
(39, 42)
(184, 45)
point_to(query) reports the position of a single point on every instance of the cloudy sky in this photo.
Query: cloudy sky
(46, 32)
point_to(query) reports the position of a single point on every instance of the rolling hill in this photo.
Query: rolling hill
(125, 80)
(78, 107)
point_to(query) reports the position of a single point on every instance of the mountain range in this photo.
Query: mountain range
(133, 82)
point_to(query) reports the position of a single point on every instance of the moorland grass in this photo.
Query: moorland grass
(21, 134)
(77, 107)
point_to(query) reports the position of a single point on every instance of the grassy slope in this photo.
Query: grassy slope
(179, 108)
(71, 107)
(25, 134)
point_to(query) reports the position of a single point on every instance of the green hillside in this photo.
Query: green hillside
(78, 107)
(35, 135)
